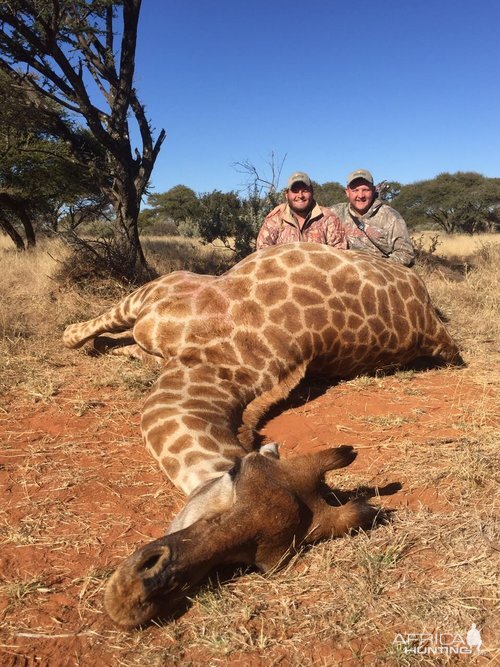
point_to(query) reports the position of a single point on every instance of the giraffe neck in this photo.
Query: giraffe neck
(190, 422)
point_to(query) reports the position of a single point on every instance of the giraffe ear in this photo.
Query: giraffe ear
(270, 449)
(214, 497)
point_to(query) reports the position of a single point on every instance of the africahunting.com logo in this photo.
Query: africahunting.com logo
(440, 643)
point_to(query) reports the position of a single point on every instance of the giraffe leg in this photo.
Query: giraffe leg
(331, 521)
(122, 344)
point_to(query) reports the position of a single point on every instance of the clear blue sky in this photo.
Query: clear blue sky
(405, 88)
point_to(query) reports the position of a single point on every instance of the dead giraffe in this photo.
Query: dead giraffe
(231, 346)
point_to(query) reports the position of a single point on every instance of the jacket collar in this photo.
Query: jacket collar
(376, 204)
(313, 214)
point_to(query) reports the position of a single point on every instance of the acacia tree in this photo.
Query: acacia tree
(179, 203)
(39, 182)
(219, 217)
(54, 50)
(461, 202)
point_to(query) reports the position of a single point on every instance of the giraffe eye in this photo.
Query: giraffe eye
(234, 471)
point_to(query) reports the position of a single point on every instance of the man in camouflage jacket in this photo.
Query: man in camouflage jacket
(370, 224)
(301, 219)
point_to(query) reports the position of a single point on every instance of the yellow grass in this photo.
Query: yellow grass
(339, 603)
(456, 245)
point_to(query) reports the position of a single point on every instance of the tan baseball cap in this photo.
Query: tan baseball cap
(360, 173)
(298, 177)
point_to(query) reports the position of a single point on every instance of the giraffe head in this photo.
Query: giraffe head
(268, 507)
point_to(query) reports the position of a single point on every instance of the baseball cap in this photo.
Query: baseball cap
(298, 177)
(360, 173)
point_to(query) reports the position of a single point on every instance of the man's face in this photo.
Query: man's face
(300, 198)
(360, 194)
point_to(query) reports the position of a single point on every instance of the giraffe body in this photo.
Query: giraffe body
(233, 345)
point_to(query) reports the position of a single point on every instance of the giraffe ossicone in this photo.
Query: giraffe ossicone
(230, 346)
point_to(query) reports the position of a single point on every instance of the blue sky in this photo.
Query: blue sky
(405, 88)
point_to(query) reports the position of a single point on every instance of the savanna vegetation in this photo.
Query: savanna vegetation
(79, 227)
(68, 166)
(80, 492)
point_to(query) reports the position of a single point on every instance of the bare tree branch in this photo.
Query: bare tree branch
(63, 42)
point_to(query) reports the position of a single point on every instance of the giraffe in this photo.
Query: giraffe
(230, 346)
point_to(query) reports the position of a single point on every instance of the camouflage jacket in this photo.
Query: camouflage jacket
(381, 231)
(320, 226)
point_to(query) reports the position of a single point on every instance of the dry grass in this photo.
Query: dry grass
(79, 493)
(456, 245)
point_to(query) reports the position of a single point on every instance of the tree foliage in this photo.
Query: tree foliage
(219, 216)
(462, 202)
(180, 203)
(67, 52)
(329, 193)
(39, 182)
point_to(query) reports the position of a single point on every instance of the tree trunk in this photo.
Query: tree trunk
(12, 233)
(20, 210)
(127, 206)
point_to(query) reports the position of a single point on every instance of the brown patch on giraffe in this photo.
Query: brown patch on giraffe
(402, 326)
(205, 329)
(246, 376)
(271, 292)
(172, 379)
(369, 299)
(222, 466)
(294, 258)
(404, 289)
(150, 417)
(384, 307)
(254, 352)
(208, 443)
(338, 321)
(278, 340)
(209, 414)
(194, 423)
(209, 301)
(366, 336)
(193, 458)
(361, 352)
(305, 297)
(316, 318)
(199, 405)
(335, 304)
(305, 341)
(209, 392)
(238, 287)
(225, 374)
(247, 313)
(312, 277)
(179, 308)
(416, 315)
(171, 465)
(180, 444)
(350, 304)
(376, 325)
(355, 322)
(288, 315)
(268, 270)
(219, 434)
(318, 342)
(348, 337)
